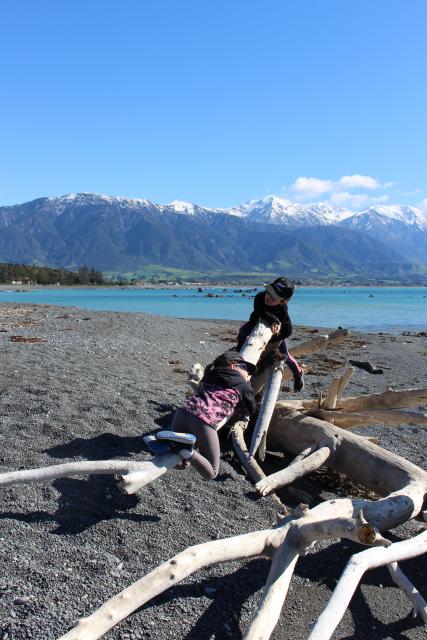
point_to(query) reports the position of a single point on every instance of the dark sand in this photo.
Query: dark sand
(98, 382)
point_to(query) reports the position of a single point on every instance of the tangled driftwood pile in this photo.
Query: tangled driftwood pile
(317, 433)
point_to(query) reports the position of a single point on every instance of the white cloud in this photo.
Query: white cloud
(357, 181)
(354, 192)
(309, 187)
(355, 200)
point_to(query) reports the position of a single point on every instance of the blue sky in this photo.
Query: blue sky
(214, 101)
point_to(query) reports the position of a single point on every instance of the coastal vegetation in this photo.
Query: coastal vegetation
(32, 274)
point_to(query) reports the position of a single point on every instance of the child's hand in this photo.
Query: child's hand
(275, 328)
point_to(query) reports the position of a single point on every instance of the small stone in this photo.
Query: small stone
(22, 600)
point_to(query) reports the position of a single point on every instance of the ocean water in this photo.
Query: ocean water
(389, 309)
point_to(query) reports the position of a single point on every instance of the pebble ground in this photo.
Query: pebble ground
(88, 389)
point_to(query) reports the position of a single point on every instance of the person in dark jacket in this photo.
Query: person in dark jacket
(271, 306)
(224, 390)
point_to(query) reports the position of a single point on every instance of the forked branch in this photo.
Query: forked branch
(318, 524)
(352, 574)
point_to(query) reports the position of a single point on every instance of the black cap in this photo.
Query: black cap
(234, 357)
(281, 288)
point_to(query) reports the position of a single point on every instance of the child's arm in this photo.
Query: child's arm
(261, 312)
(286, 327)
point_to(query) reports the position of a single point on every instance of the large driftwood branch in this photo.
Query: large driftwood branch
(413, 595)
(249, 463)
(301, 534)
(373, 401)
(347, 420)
(132, 482)
(320, 523)
(350, 578)
(134, 475)
(271, 377)
(386, 400)
(165, 576)
(335, 337)
(272, 389)
(256, 342)
(275, 592)
(294, 471)
(377, 469)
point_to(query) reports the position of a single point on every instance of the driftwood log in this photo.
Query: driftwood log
(316, 433)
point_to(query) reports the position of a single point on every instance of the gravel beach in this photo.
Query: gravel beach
(89, 387)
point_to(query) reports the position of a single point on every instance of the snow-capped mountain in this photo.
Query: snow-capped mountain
(110, 233)
(387, 216)
(275, 210)
(402, 227)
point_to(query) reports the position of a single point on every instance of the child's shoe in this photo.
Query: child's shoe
(186, 439)
(157, 447)
(186, 454)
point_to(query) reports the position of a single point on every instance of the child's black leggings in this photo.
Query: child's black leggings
(206, 459)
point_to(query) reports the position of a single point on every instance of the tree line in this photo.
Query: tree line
(24, 273)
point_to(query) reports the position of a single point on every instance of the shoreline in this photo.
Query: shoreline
(206, 285)
(89, 390)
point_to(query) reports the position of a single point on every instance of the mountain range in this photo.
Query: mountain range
(118, 234)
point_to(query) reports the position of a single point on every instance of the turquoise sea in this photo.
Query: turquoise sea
(389, 309)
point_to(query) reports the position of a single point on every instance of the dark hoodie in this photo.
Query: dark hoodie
(271, 314)
(227, 378)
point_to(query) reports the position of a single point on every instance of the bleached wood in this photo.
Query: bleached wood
(352, 574)
(353, 456)
(322, 522)
(320, 342)
(318, 524)
(411, 592)
(370, 439)
(297, 470)
(155, 468)
(347, 420)
(134, 475)
(86, 467)
(302, 455)
(256, 342)
(250, 464)
(274, 595)
(262, 447)
(166, 575)
(274, 375)
(385, 400)
(344, 380)
(330, 402)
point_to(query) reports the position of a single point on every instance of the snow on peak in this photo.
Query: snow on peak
(269, 209)
(276, 210)
(402, 213)
(85, 197)
(180, 206)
